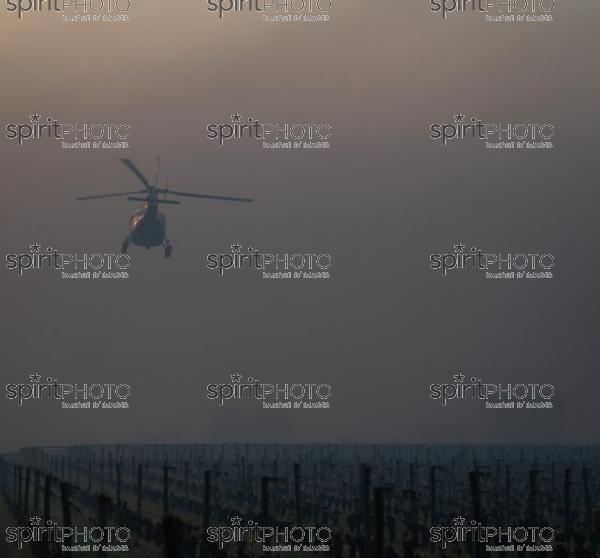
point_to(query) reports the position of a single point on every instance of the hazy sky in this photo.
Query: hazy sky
(383, 198)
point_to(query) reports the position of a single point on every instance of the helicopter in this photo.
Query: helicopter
(148, 226)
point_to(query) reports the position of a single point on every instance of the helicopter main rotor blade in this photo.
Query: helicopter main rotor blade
(131, 166)
(205, 196)
(111, 195)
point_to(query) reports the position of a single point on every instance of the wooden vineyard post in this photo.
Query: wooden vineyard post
(26, 507)
(3, 474)
(186, 482)
(297, 493)
(133, 471)
(47, 497)
(567, 504)
(172, 540)
(364, 495)
(508, 503)
(118, 472)
(476, 502)
(215, 488)
(379, 522)
(140, 472)
(102, 476)
(36, 492)
(533, 497)
(103, 502)
(432, 494)
(206, 507)
(19, 488)
(166, 470)
(15, 484)
(264, 499)
(65, 503)
(588, 503)
(243, 475)
(250, 484)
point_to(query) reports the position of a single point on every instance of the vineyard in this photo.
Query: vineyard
(375, 501)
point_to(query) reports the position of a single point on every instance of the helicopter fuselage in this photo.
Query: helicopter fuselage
(148, 227)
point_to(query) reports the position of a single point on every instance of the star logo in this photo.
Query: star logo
(459, 117)
(459, 248)
(236, 117)
(236, 521)
(34, 117)
(35, 520)
(236, 247)
(236, 378)
(459, 520)
(459, 378)
(35, 248)
(35, 378)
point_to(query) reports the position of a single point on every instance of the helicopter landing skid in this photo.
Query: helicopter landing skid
(168, 248)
